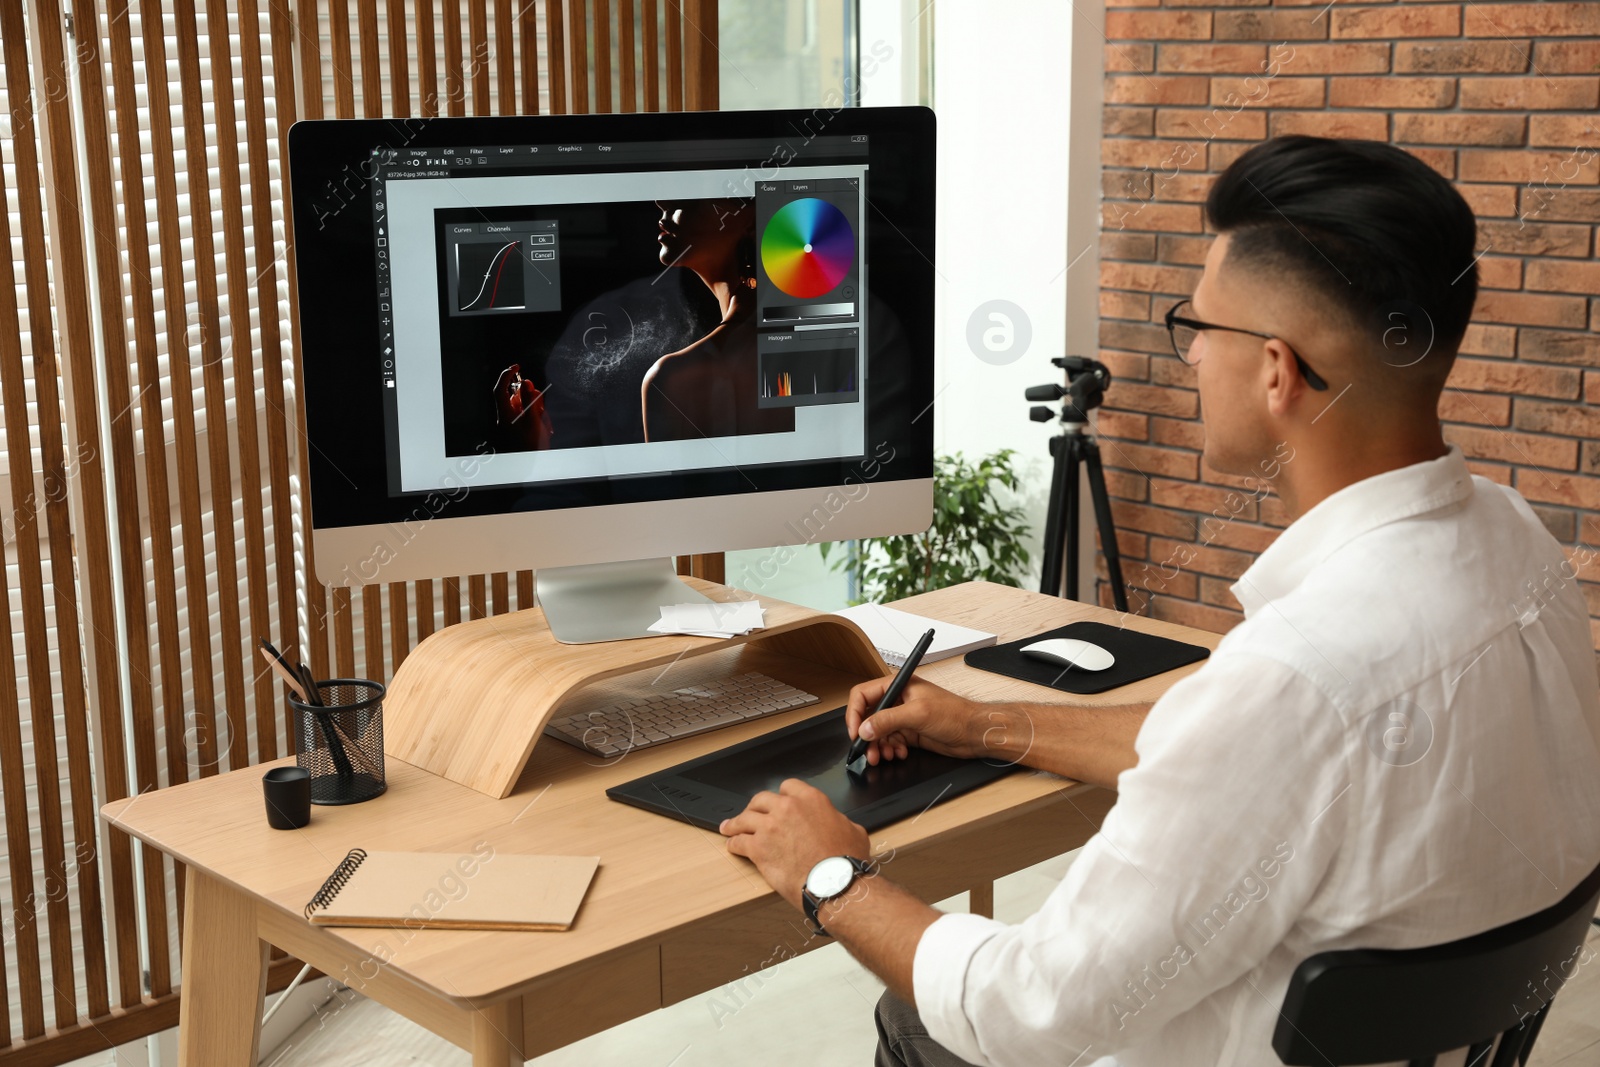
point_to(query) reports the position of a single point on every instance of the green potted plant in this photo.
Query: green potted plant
(973, 537)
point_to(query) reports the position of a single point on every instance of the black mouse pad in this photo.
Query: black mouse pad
(1138, 656)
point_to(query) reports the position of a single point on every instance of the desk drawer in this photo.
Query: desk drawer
(592, 999)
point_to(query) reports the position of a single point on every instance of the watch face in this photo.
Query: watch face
(830, 877)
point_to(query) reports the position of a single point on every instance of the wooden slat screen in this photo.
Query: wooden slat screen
(151, 467)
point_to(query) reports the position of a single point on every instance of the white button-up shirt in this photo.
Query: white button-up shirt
(1397, 747)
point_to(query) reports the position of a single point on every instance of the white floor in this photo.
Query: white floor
(816, 1009)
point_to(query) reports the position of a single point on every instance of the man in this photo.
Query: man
(1395, 748)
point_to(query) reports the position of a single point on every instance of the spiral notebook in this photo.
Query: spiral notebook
(894, 633)
(483, 890)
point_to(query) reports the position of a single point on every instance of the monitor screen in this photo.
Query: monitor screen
(538, 316)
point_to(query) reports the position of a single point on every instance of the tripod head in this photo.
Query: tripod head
(1087, 380)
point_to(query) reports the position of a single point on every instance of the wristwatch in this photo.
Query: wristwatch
(828, 879)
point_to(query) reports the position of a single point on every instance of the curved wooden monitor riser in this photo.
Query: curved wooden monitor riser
(471, 701)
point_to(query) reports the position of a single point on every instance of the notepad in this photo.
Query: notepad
(895, 632)
(484, 890)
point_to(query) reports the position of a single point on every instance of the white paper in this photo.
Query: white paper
(711, 619)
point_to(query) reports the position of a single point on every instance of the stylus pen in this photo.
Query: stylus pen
(858, 750)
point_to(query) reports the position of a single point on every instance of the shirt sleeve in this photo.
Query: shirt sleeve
(1219, 837)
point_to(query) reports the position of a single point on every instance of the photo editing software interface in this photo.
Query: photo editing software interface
(604, 310)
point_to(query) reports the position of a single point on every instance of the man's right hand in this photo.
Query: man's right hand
(1090, 743)
(926, 717)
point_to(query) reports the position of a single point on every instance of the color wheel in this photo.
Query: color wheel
(808, 247)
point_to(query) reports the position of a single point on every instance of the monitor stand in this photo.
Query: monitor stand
(472, 699)
(609, 601)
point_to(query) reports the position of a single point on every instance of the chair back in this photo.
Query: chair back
(1362, 1006)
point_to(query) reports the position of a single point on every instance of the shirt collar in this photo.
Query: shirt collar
(1348, 514)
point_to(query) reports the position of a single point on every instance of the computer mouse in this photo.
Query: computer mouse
(1071, 652)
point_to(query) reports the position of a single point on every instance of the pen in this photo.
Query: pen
(300, 679)
(858, 750)
(313, 694)
(330, 729)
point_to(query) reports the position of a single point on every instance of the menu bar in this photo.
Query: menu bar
(755, 151)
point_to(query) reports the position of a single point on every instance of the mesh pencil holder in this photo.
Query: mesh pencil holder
(341, 743)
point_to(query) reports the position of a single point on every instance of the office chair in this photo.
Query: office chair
(1362, 1006)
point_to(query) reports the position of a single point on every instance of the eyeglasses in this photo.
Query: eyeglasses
(1183, 331)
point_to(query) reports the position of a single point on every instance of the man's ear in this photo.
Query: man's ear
(1285, 385)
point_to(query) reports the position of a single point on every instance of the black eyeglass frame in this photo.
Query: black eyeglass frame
(1313, 379)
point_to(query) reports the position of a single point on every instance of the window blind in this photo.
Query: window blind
(151, 484)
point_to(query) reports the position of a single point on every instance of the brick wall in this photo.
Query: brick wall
(1503, 98)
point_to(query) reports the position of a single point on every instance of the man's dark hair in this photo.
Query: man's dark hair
(1368, 226)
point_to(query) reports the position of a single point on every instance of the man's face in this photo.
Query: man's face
(1231, 367)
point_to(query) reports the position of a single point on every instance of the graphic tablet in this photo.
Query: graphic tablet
(707, 790)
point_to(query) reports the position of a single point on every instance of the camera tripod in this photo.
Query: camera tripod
(1086, 384)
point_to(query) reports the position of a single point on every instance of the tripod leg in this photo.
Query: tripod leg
(1108, 530)
(1050, 565)
(1072, 445)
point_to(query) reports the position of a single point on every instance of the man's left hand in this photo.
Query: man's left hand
(787, 833)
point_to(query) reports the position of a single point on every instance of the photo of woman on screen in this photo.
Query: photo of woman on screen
(709, 388)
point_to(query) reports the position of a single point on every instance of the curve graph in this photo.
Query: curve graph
(489, 276)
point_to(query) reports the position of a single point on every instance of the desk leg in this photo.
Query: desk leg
(980, 900)
(224, 977)
(493, 1031)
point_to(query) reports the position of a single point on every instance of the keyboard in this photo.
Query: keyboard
(663, 717)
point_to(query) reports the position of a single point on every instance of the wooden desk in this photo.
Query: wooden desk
(671, 914)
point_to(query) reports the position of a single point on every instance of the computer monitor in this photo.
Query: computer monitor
(585, 344)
